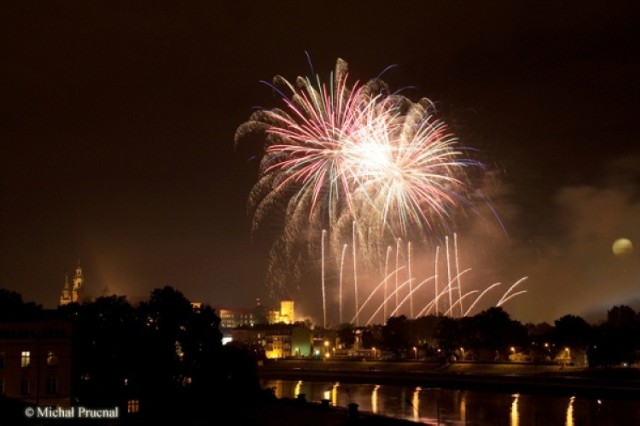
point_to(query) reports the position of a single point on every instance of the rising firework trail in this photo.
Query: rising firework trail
(355, 274)
(410, 279)
(455, 249)
(324, 295)
(344, 252)
(386, 268)
(435, 281)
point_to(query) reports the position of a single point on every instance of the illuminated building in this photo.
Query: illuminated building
(286, 311)
(73, 293)
(239, 317)
(236, 317)
(35, 361)
(256, 327)
(278, 340)
(285, 315)
(285, 341)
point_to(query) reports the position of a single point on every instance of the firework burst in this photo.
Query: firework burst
(340, 154)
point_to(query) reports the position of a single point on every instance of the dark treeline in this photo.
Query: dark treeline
(163, 352)
(492, 335)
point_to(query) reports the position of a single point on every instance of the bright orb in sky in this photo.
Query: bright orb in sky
(622, 247)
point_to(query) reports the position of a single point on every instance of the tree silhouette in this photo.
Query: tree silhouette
(166, 352)
(617, 340)
(395, 335)
(497, 332)
(448, 336)
(13, 307)
(346, 335)
(105, 348)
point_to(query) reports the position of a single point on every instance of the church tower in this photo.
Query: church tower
(73, 293)
(65, 297)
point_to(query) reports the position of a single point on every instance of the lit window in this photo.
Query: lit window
(25, 359)
(52, 359)
(133, 406)
(52, 385)
(24, 387)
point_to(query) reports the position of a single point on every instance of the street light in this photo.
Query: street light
(415, 352)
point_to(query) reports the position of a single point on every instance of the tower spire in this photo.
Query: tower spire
(73, 293)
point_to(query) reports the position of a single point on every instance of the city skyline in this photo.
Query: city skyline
(118, 140)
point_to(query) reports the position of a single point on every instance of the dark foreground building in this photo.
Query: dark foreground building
(35, 361)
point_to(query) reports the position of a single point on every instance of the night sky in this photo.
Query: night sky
(118, 121)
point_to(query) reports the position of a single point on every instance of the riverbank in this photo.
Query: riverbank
(508, 377)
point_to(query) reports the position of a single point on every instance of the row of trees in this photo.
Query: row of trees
(493, 336)
(163, 352)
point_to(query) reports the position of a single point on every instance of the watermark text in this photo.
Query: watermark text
(71, 413)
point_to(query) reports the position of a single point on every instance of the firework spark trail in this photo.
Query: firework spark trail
(386, 268)
(344, 250)
(485, 291)
(377, 311)
(435, 281)
(447, 291)
(433, 302)
(459, 302)
(410, 294)
(324, 296)
(455, 251)
(410, 279)
(359, 311)
(505, 297)
(355, 274)
(446, 241)
(397, 265)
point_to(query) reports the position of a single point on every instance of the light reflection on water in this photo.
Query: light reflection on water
(374, 399)
(569, 418)
(435, 406)
(415, 403)
(515, 416)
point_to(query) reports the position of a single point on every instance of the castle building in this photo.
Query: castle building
(73, 293)
(236, 317)
(286, 311)
(260, 314)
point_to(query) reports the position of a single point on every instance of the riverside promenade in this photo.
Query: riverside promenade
(502, 377)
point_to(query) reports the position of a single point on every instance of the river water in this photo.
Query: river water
(435, 406)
